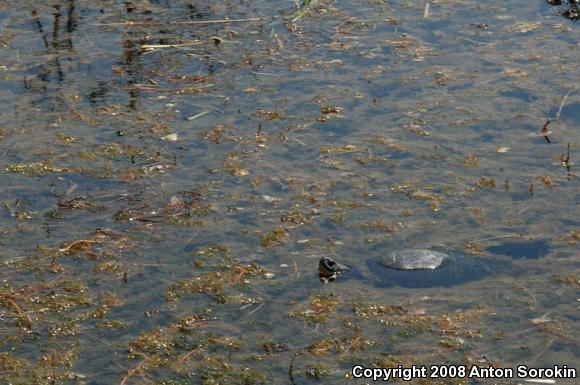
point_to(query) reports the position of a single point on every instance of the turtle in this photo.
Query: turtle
(329, 269)
(414, 268)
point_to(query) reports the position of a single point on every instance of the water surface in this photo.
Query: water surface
(172, 172)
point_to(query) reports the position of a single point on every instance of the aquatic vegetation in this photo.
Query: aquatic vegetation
(372, 310)
(213, 251)
(217, 135)
(380, 224)
(317, 372)
(37, 168)
(174, 170)
(110, 150)
(235, 167)
(386, 142)
(331, 110)
(216, 283)
(110, 267)
(569, 279)
(471, 161)
(276, 237)
(572, 12)
(273, 348)
(270, 115)
(572, 237)
(408, 45)
(346, 149)
(320, 308)
(474, 248)
(547, 180)
(346, 204)
(324, 346)
(169, 349)
(210, 282)
(215, 371)
(296, 218)
(486, 181)
(152, 342)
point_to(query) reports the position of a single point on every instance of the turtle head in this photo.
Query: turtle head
(329, 269)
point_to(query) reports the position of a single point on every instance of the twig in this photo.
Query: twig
(532, 295)
(291, 369)
(256, 309)
(563, 102)
(205, 106)
(426, 11)
(264, 73)
(203, 113)
(297, 141)
(307, 6)
(156, 46)
(188, 354)
(510, 235)
(545, 131)
(18, 310)
(548, 344)
(136, 370)
(219, 21)
(296, 270)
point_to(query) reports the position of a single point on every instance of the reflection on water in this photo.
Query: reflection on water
(525, 249)
(173, 172)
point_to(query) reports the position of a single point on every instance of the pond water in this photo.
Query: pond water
(172, 171)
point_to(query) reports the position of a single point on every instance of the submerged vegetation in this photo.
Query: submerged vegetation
(173, 171)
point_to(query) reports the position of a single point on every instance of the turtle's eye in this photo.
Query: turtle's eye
(331, 263)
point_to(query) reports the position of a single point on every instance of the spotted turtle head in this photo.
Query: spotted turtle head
(329, 269)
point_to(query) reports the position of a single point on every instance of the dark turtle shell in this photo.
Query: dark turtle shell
(426, 268)
(414, 259)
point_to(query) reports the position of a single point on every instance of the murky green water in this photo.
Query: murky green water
(172, 172)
